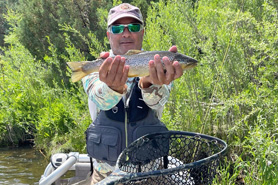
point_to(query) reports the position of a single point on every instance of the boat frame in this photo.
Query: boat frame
(80, 163)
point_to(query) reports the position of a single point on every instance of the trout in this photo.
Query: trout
(136, 59)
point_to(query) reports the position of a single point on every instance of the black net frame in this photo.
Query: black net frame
(172, 157)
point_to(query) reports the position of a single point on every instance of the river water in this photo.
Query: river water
(21, 166)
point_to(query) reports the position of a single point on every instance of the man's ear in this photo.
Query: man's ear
(108, 35)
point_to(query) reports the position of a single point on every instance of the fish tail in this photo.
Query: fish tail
(77, 72)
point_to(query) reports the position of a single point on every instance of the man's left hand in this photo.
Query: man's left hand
(157, 75)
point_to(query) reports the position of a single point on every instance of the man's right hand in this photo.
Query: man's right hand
(114, 72)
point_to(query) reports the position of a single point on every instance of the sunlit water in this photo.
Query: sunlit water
(20, 166)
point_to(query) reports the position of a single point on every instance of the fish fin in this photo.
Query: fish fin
(75, 66)
(77, 72)
(133, 52)
(78, 75)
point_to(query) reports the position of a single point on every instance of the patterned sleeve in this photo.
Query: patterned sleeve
(104, 97)
(156, 95)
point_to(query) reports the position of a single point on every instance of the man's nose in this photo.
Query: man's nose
(126, 32)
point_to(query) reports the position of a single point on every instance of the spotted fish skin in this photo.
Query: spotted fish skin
(137, 60)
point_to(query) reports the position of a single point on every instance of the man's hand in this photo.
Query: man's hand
(157, 75)
(114, 72)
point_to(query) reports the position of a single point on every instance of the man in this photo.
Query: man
(123, 109)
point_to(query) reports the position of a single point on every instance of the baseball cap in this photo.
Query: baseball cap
(124, 10)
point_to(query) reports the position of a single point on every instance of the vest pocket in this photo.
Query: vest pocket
(103, 143)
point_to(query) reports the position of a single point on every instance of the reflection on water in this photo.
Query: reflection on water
(21, 166)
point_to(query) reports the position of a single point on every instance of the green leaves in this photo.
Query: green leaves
(35, 101)
(234, 87)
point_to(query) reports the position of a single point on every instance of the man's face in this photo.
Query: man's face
(121, 43)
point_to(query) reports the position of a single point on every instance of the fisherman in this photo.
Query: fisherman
(124, 109)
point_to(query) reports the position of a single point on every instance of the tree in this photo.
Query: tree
(41, 18)
(4, 27)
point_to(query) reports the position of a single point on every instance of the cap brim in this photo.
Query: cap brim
(122, 16)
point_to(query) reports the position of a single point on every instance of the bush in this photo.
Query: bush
(233, 90)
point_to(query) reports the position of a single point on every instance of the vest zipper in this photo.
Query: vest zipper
(126, 122)
(126, 105)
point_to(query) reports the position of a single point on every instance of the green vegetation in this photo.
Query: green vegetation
(232, 94)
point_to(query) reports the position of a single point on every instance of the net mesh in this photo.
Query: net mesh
(171, 158)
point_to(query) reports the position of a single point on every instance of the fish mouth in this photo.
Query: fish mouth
(189, 66)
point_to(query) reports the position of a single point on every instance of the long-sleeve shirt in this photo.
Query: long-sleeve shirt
(101, 97)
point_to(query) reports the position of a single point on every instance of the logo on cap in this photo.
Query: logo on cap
(125, 7)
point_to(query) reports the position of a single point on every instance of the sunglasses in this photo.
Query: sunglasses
(117, 29)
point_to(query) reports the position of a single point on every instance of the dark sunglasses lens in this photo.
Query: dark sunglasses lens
(117, 29)
(134, 27)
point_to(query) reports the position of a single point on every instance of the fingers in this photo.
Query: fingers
(159, 70)
(104, 69)
(163, 74)
(125, 74)
(145, 82)
(170, 71)
(119, 71)
(152, 71)
(156, 70)
(174, 49)
(104, 55)
(114, 73)
(178, 70)
(115, 69)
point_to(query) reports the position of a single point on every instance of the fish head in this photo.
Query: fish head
(186, 62)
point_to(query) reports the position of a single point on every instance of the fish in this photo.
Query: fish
(136, 59)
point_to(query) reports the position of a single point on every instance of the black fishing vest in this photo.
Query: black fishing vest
(114, 129)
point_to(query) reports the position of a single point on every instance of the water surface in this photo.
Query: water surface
(21, 166)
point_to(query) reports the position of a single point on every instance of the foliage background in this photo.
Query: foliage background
(232, 94)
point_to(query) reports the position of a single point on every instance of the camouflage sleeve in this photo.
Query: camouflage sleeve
(104, 97)
(156, 95)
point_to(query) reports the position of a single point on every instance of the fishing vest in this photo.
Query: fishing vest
(114, 129)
